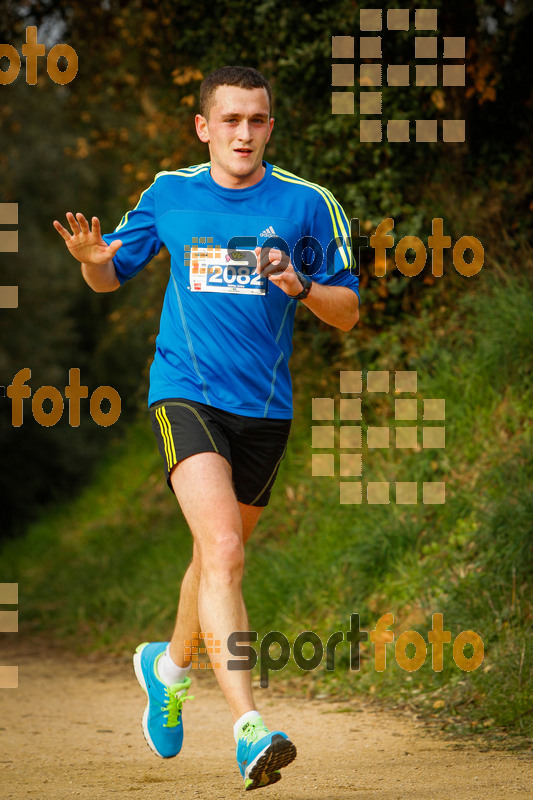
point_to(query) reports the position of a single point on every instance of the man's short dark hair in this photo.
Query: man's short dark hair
(245, 77)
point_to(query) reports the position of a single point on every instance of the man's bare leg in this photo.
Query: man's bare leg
(187, 621)
(202, 484)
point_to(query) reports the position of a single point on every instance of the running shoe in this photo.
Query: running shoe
(162, 720)
(261, 754)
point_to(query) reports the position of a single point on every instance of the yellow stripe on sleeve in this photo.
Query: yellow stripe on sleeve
(186, 172)
(339, 227)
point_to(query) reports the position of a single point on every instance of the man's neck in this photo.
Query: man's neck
(234, 181)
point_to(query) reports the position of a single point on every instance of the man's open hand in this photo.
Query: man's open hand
(85, 245)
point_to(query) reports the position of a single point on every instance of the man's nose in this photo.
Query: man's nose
(244, 131)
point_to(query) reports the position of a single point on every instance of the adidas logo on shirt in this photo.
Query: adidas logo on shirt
(268, 231)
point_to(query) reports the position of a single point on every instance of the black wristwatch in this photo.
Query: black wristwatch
(306, 283)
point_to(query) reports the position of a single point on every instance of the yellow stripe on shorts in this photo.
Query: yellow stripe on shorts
(166, 433)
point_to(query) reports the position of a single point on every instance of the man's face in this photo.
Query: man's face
(237, 131)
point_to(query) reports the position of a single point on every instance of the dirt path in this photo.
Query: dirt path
(72, 730)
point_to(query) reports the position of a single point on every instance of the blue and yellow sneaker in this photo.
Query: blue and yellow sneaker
(261, 754)
(162, 722)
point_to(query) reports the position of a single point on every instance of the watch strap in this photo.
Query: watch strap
(306, 287)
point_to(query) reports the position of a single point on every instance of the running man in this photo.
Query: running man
(220, 390)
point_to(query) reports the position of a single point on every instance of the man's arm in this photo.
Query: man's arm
(335, 305)
(94, 254)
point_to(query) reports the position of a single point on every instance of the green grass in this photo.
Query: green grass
(103, 571)
(99, 570)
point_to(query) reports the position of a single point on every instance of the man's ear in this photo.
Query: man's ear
(201, 128)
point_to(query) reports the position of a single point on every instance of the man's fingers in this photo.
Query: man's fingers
(265, 257)
(114, 246)
(270, 255)
(274, 269)
(82, 222)
(75, 228)
(257, 251)
(78, 224)
(61, 230)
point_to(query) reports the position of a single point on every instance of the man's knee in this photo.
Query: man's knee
(224, 559)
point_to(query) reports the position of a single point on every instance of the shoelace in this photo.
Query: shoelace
(253, 732)
(175, 697)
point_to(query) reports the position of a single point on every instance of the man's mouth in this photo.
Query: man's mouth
(243, 150)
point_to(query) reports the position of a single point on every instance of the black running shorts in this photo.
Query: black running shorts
(254, 447)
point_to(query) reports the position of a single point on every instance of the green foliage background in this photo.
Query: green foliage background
(94, 145)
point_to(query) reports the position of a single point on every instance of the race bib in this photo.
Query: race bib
(216, 269)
